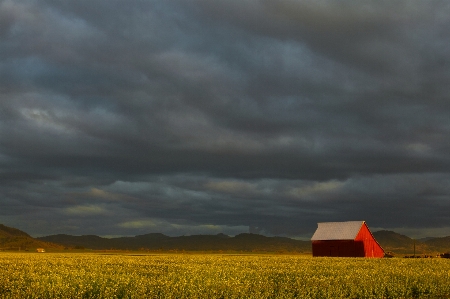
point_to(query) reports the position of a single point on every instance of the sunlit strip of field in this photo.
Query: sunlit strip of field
(33, 275)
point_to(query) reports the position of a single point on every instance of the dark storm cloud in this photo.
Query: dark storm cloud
(183, 117)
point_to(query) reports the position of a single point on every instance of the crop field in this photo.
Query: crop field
(72, 275)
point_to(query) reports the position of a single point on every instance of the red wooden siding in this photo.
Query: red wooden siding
(364, 245)
(371, 247)
(341, 248)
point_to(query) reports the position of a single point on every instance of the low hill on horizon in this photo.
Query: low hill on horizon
(397, 243)
(401, 244)
(439, 243)
(390, 241)
(156, 241)
(15, 239)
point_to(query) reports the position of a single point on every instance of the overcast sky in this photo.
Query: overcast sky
(224, 116)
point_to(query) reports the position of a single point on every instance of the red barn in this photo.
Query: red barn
(345, 239)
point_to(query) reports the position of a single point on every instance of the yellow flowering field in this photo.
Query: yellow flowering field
(72, 275)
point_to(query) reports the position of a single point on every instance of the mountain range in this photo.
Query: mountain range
(12, 238)
(156, 241)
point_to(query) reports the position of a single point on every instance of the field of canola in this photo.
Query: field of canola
(52, 275)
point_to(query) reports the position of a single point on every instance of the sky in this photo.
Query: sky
(120, 118)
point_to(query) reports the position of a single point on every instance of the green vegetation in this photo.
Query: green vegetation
(33, 275)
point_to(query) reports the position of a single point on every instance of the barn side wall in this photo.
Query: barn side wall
(371, 247)
(338, 248)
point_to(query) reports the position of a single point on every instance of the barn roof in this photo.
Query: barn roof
(337, 230)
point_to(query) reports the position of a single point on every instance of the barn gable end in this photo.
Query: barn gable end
(345, 239)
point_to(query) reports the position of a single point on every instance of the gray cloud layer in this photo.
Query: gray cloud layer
(125, 117)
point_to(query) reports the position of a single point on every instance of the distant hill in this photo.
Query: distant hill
(392, 241)
(439, 244)
(401, 244)
(426, 239)
(155, 241)
(15, 239)
(389, 240)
